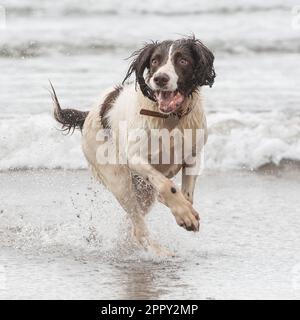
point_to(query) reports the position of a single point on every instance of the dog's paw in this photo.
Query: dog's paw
(187, 217)
(141, 235)
(160, 250)
(149, 245)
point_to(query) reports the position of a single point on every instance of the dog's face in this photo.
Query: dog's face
(175, 69)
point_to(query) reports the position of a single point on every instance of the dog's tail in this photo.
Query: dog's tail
(70, 119)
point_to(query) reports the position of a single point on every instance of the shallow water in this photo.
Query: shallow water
(64, 236)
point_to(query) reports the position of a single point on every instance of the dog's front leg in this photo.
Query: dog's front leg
(188, 185)
(183, 211)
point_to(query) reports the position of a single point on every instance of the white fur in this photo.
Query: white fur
(119, 178)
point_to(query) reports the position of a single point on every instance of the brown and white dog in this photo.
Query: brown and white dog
(165, 95)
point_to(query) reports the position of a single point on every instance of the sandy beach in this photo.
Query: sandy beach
(64, 236)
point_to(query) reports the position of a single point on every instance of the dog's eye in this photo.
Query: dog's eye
(183, 62)
(154, 62)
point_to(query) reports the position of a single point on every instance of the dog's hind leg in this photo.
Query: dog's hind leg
(119, 180)
(145, 193)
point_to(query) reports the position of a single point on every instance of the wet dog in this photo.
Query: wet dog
(164, 96)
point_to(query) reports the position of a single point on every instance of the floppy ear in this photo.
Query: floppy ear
(204, 73)
(141, 61)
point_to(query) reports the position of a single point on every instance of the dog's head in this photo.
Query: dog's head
(175, 69)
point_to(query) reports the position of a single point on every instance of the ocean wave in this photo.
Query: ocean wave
(31, 49)
(34, 142)
(237, 140)
(30, 11)
(204, 11)
(158, 9)
(252, 140)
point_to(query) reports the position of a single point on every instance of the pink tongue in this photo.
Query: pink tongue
(169, 101)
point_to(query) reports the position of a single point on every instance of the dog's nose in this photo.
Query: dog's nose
(161, 79)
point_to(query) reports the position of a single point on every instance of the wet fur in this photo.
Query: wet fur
(203, 68)
(70, 119)
(136, 186)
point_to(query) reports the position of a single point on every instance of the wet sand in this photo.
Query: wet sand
(63, 236)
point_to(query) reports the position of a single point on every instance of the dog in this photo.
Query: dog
(165, 95)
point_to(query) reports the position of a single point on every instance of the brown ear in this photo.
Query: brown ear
(204, 73)
(141, 61)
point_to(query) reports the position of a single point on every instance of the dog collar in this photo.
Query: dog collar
(157, 114)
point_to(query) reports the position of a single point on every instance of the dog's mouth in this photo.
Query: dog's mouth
(168, 101)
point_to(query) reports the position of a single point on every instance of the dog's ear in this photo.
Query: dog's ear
(141, 61)
(204, 69)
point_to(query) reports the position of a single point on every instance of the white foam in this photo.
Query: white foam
(237, 140)
(249, 140)
(33, 141)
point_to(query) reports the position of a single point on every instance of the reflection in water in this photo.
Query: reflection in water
(142, 281)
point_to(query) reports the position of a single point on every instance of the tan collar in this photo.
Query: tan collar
(179, 114)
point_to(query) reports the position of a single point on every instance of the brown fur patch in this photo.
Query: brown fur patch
(107, 105)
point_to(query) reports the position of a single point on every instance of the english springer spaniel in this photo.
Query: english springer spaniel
(164, 96)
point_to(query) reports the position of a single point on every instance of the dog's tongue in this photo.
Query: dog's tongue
(169, 101)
